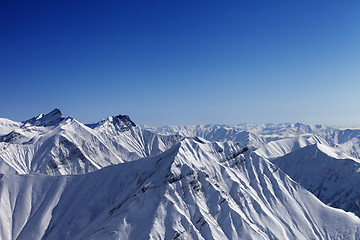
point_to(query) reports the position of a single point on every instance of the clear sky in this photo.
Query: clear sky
(182, 62)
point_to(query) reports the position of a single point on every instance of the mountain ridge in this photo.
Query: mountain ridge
(330, 175)
(58, 145)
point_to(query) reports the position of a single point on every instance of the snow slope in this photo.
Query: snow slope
(329, 174)
(279, 148)
(6, 126)
(53, 145)
(194, 190)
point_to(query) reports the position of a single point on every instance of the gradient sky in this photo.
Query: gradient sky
(182, 62)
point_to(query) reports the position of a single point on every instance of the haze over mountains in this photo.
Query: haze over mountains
(62, 179)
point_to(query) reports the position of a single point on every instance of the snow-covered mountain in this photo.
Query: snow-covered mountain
(6, 126)
(329, 174)
(53, 118)
(256, 135)
(62, 179)
(214, 133)
(194, 190)
(279, 148)
(53, 145)
(280, 142)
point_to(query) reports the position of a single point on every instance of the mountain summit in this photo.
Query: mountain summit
(52, 118)
(50, 145)
(119, 122)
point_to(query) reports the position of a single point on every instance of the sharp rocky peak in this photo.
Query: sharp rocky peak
(50, 119)
(124, 119)
(120, 122)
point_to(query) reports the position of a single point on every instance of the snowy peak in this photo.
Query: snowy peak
(123, 121)
(71, 147)
(119, 122)
(52, 118)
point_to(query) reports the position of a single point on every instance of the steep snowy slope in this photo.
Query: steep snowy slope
(329, 174)
(279, 148)
(120, 134)
(65, 148)
(6, 126)
(348, 141)
(53, 145)
(194, 190)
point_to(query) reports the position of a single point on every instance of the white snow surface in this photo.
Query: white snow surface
(195, 190)
(275, 149)
(6, 126)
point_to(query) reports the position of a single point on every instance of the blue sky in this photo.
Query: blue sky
(182, 62)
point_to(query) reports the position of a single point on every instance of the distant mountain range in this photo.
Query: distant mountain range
(256, 135)
(62, 179)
